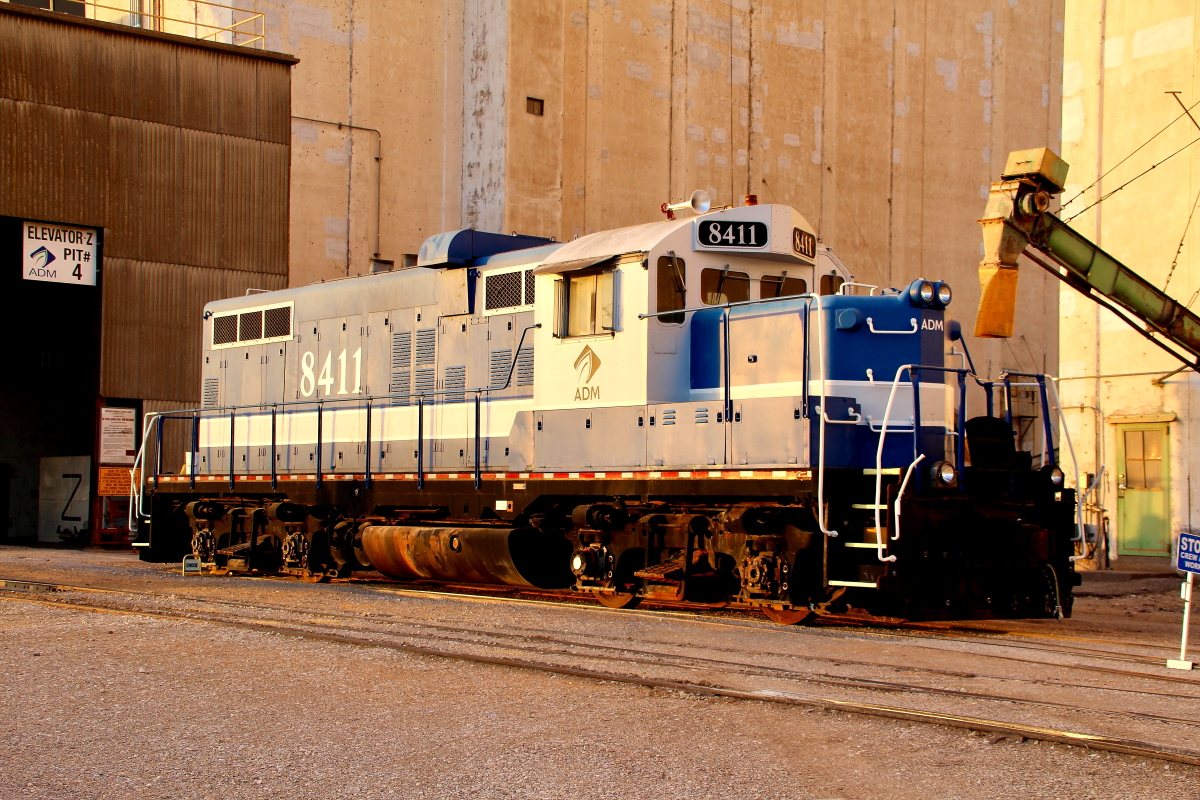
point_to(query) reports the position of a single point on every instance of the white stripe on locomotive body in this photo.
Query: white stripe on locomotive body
(628, 379)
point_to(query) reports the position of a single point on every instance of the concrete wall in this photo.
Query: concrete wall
(1120, 59)
(882, 122)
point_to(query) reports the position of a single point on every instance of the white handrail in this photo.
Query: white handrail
(871, 425)
(135, 494)
(871, 327)
(855, 417)
(887, 413)
(1065, 434)
(899, 494)
(820, 515)
(879, 458)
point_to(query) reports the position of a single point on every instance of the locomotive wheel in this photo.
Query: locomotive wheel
(618, 600)
(789, 616)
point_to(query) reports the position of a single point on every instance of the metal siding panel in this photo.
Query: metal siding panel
(10, 151)
(59, 167)
(156, 87)
(160, 193)
(274, 102)
(276, 163)
(12, 60)
(124, 218)
(200, 161)
(241, 239)
(144, 300)
(238, 90)
(90, 61)
(200, 91)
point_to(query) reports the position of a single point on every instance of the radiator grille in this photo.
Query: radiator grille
(401, 384)
(455, 378)
(402, 350)
(524, 376)
(528, 287)
(250, 326)
(278, 322)
(502, 291)
(225, 329)
(426, 346)
(426, 380)
(212, 392)
(498, 364)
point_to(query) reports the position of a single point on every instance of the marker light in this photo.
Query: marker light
(1056, 476)
(944, 473)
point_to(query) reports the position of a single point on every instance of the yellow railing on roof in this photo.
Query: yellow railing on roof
(198, 19)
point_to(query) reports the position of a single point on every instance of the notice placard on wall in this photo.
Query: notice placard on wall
(58, 253)
(118, 440)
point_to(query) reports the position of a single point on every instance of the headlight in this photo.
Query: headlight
(944, 295)
(921, 293)
(1056, 476)
(944, 473)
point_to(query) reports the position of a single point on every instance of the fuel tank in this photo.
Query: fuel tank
(505, 556)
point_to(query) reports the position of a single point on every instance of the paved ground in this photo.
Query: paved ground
(100, 705)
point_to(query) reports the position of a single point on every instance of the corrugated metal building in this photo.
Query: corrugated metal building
(178, 150)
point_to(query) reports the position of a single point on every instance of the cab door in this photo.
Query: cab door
(1143, 481)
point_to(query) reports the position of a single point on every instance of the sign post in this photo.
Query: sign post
(1188, 560)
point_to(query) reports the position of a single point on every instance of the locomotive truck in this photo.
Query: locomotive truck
(705, 410)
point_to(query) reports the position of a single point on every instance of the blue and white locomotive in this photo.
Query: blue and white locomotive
(704, 410)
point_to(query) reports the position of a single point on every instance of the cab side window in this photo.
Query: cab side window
(781, 286)
(831, 283)
(718, 286)
(585, 302)
(671, 288)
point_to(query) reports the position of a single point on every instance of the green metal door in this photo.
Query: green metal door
(1142, 481)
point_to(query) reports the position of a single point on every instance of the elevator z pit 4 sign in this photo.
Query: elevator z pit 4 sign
(58, 253)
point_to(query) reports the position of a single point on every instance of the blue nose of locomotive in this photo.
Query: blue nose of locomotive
(867, 338)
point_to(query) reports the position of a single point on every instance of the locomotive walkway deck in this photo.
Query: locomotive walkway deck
(1096, 681)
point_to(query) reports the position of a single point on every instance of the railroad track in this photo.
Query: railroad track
(552, 651)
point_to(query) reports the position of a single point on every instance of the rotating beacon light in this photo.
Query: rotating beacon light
(698, 203)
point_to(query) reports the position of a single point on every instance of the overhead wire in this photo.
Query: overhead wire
(1109, 171)
(1131, 180)
(1182, 239)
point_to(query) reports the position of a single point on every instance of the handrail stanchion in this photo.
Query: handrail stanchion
(231, 443)
(961, 445)
(914, 372)
(367, 474)
(478, 476)
(274, 472)
(1008, 402)
(320, 434)
(1047, 428)
(195, 456)
(990, 403)
(158, 439)
(421, 442)
(804, 366)
(726, 369)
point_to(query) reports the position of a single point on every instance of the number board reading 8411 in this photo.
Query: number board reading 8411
(731, 233)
